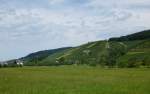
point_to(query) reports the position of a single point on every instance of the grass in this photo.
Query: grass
(74, 80)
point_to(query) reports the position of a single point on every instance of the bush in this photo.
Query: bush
(1, 65)
(5, 65)
(146, 61)
(122, 64)
(133, 64)
(92, 61)
(92, 64)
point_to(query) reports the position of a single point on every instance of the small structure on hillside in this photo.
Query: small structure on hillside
(87, 52)
(19, 63)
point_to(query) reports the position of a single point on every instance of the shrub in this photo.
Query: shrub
(133, 64)
(146, 62)
(92, 64)
(5, 65)
(122, 64)
(1, 65)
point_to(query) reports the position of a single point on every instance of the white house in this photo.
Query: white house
(19, 63)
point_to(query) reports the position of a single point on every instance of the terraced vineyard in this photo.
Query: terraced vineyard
(126, 51)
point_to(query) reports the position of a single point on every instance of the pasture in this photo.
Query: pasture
(74, 80)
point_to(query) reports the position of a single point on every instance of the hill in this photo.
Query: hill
(138, 54)
(136, 36)
(127, 51)
(34, 58)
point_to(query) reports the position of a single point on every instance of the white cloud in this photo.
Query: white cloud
(44, 28)
(53, 2)
(118, 3)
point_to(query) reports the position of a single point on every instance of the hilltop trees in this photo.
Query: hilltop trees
(136, 36)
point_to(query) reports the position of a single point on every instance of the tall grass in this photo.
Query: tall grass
(74, 80)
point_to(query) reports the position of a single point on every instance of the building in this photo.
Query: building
(18, 63)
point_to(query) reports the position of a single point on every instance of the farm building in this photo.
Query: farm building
(18, 63)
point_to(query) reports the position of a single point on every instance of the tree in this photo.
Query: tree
(133, 62)
(1, 65)
(146, 61)
(103, 60)
(92, 61)
(114, 52)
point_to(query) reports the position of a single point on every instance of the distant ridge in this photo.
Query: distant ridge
(136, 36)
(127, 51)
(40, 55)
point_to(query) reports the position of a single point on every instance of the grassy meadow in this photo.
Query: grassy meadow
(74, 80)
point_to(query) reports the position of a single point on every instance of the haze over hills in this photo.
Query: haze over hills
(122, 51)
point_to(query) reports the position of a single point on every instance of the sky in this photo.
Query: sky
(28, 26)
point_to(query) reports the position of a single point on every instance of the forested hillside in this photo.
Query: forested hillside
(136, 36)
(127, 51)
(34, 58)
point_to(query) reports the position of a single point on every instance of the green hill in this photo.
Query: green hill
(35, 58)
(78, 55)
(136, 36)
(137, 55)
(127, 51)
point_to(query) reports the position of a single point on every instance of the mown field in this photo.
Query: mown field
(74, 80)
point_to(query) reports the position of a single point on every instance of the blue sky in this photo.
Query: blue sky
(31, 25)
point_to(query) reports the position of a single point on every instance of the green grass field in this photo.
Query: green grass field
(74, 80)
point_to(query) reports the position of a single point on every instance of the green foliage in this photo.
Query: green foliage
(134, 59)
(103, 60)
(133, 62)
(1, 65)
(86, 54)
(146, 61)
(35, 58)
(5, 65)
(136, 36)
(115, 50)
(121, 64)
